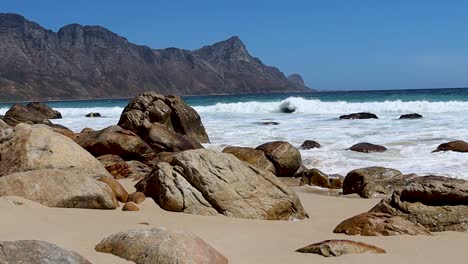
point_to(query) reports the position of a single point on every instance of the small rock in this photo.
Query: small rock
(456, 146)
(162, 246)
(129, 206)
(316, 177)
(136, 197)
(120, 193)
(335, 248)
(92, 114)
(367, 148)
(362, 115)
(411, 116)
(271, 123)
(310, 144)
(379, 224)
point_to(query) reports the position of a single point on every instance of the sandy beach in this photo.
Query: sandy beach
(240, 240)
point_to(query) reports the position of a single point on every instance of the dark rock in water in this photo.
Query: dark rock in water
(316, 177)
(287, 108)
(93, 62)
(93, 115)
(169, 111)
(270, 123)
(252, 156)
(310, 144)
(367, 148)
(335, 248)
(411, 116)
(362, 115)
(286, 158)
(46, 110)
(457, 146)
(22, 114)
(379, 224)
(37, 252)
(373, 182)
(437, 203)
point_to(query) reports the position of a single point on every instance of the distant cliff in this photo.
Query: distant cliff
(80, 62)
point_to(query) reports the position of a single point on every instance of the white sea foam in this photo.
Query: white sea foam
(315, 106)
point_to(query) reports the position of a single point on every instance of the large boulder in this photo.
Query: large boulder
(162, 139)
(379, 224)
(22, 114)
(46, 110)
(437, 203)
(162, 246)
(252, 156)
(36, 147)
(362, 115)
(457, 146)
(37, 252)
(374, 182)
(116, 141)
(365, 147)
(284, 156)
(335, 248)
(170, 111)
(59, 188)
(6, 132)
(207, 182)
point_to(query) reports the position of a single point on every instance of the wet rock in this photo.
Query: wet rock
(170, 111)
(284, 156)
(362, 115)
(207, 182)
(310, 144)
(379, 224)
(316, 177)
(411, 116)
(136, 197)
(437, 203)
(374, 182)
(120, 193)
(37, 252)
(46, 110)
(367, 148)
(58, 188)
(92, 114)
(130, 207)
(162, 246)
(335, 248)
(36, 147)
(252, 156)
(456, 146)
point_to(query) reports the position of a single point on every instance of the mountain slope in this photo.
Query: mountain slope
(79, 62)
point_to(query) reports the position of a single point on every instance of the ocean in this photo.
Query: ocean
(238, 120)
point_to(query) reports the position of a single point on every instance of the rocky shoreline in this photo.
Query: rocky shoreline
(153, 159)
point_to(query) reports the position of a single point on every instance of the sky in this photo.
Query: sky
(333, 44)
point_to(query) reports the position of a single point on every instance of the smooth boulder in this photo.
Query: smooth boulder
(437, 203)
(367, 148)
(37, 252)
(36, 147)
(284, 156)
(315, 177)
(411, 116)
(120, 193)
(335, 248)
(379, 224)
(456, 146)
(171, 111)
(362, 115)
(372, 182)
(58, 188)
(207, 182)
(116, 141)
(46, 110)
(162, 246)
(252, 156)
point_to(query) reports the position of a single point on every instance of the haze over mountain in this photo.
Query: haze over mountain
(82, 62)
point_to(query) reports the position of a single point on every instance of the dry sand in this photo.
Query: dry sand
(242, 241)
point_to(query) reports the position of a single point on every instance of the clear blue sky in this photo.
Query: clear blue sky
(333, 44)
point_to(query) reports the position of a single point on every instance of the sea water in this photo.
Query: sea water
(238, 120)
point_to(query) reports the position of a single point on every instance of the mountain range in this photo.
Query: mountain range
(84, 62)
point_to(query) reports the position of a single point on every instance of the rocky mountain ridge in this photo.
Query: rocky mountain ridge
(81, 62)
